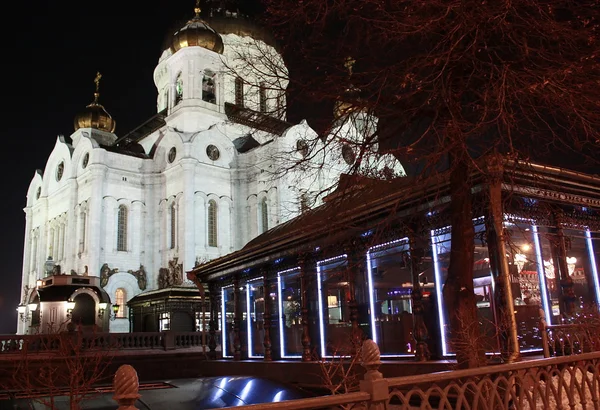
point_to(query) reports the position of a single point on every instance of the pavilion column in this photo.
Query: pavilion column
(499, 264)
(237, 319)
(302, 262)
(267, 315)
(357, 260)
(420, 333)
(561, 269)
(213, 321)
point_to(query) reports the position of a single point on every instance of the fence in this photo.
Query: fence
(551, 383)
(13, 344)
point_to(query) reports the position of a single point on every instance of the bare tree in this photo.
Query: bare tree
(60, 363)
(441, 84)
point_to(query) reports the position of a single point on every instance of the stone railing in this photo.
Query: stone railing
(14, 344)
(550, 383)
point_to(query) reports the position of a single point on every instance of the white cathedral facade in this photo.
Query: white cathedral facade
(217, 166)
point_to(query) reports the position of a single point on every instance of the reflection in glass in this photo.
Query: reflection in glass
(255, 302)
(227, 314)
(390, 283)
(334, 313)
(290, 319)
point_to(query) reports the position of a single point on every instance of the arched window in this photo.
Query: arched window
(120, 299)
(262, 95)
(239, 91)
(264, 215)
(208, 87)
(173, 225)
(34, 248)
(51, 244)
(212, 223)
(61, 242)
(179, 89)
(122, 228)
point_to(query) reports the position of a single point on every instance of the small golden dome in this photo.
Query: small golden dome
(94, 115)
(197, 33)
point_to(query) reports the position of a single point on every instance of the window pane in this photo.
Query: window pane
(290, 303)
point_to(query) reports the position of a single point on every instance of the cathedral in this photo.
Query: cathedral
(116, 217)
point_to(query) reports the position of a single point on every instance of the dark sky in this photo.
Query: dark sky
(51, 52)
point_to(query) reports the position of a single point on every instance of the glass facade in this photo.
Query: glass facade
(290, 319)
(334, 313)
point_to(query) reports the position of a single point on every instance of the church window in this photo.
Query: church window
(239, 91)
(172, 155)
(304, 203)
(60, 169)
(61, 242)
(165, 103)
(120, 299)
(302, 147)
(34, 246)
(51, 243)
(348, 154)
(122, 229)
(173, 225)
(264, 215)
(38, 193)
(212, 223)
(262, 95)
(86, 159)
(213, 152)
(179, 89)
(208, 87)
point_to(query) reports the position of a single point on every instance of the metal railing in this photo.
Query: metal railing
(569, 382)
(568, 339)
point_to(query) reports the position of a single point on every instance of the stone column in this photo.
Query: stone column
(498, 263)
(302, 262)
(237, 318)
(267, 315)
(213, 321)
(185, 225)
(420, 333)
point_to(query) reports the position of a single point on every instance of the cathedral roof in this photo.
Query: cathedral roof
(94, 115)
(197, 33)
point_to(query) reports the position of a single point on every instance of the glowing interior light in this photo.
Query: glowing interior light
(223, 324)
(438, 293)
(588, 238)
(321, 321)
(248, 321)
(371, 297)
(541, 273)
(281, 324)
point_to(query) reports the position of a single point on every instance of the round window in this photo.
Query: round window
(86, 159)
(302, 147)
(213, 152)
(348, 154)
(60, 169)
(172, 155)
(38, 193)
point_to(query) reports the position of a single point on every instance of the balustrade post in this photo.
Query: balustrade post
(373, 382)
(544, 332)
(213, 321)
(126, 387)
(304, 309)
(267, 316)
(420, 333)
(237, 343)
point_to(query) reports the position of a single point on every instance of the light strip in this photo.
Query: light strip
(541, 273)
(438, 293)
(248, 322)
(590, 246)
(371, 297)
(280, 303)
(321, 327)
(223, 324)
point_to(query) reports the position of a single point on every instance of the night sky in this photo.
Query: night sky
(51, 52)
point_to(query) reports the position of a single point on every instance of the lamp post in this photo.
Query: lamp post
(115, 309)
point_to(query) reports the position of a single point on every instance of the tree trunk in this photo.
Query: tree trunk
(459, 296)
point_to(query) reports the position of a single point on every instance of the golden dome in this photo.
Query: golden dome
(197, 33)
(94, 115)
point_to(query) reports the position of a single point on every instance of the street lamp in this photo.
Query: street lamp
(101, 309)
(115, 309)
